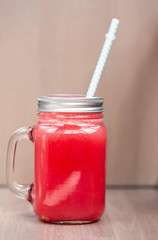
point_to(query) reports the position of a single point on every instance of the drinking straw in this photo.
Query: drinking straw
(110, 36)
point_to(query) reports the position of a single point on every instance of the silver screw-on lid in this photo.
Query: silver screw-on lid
(69, 103)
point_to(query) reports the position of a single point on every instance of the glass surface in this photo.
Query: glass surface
(69, 182)
(19, 190)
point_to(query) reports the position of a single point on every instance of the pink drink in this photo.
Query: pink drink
(69, 167)
(70, 146)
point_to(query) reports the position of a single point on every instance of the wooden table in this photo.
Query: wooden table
(131, 214)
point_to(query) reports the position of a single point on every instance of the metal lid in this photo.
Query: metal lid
(69, 103)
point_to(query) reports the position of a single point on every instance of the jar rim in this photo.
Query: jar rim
(70, 103)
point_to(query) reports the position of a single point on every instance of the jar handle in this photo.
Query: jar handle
(19, 190)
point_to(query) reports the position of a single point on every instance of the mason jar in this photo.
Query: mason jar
(70, 151)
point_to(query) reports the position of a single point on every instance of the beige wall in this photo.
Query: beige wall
(53, 46)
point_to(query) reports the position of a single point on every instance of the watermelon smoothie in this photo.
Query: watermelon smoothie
(69, 182)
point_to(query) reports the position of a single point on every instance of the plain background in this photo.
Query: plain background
(52, 46)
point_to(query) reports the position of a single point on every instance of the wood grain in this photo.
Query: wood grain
(130, 214)
(52, 47)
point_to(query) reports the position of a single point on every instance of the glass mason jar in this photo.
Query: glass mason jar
(70, 149)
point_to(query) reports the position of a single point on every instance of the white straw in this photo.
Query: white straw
(110, 36)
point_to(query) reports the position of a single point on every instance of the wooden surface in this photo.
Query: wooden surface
(52, 46)
(130, 214)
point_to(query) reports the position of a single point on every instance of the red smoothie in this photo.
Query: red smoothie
(69, 182)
